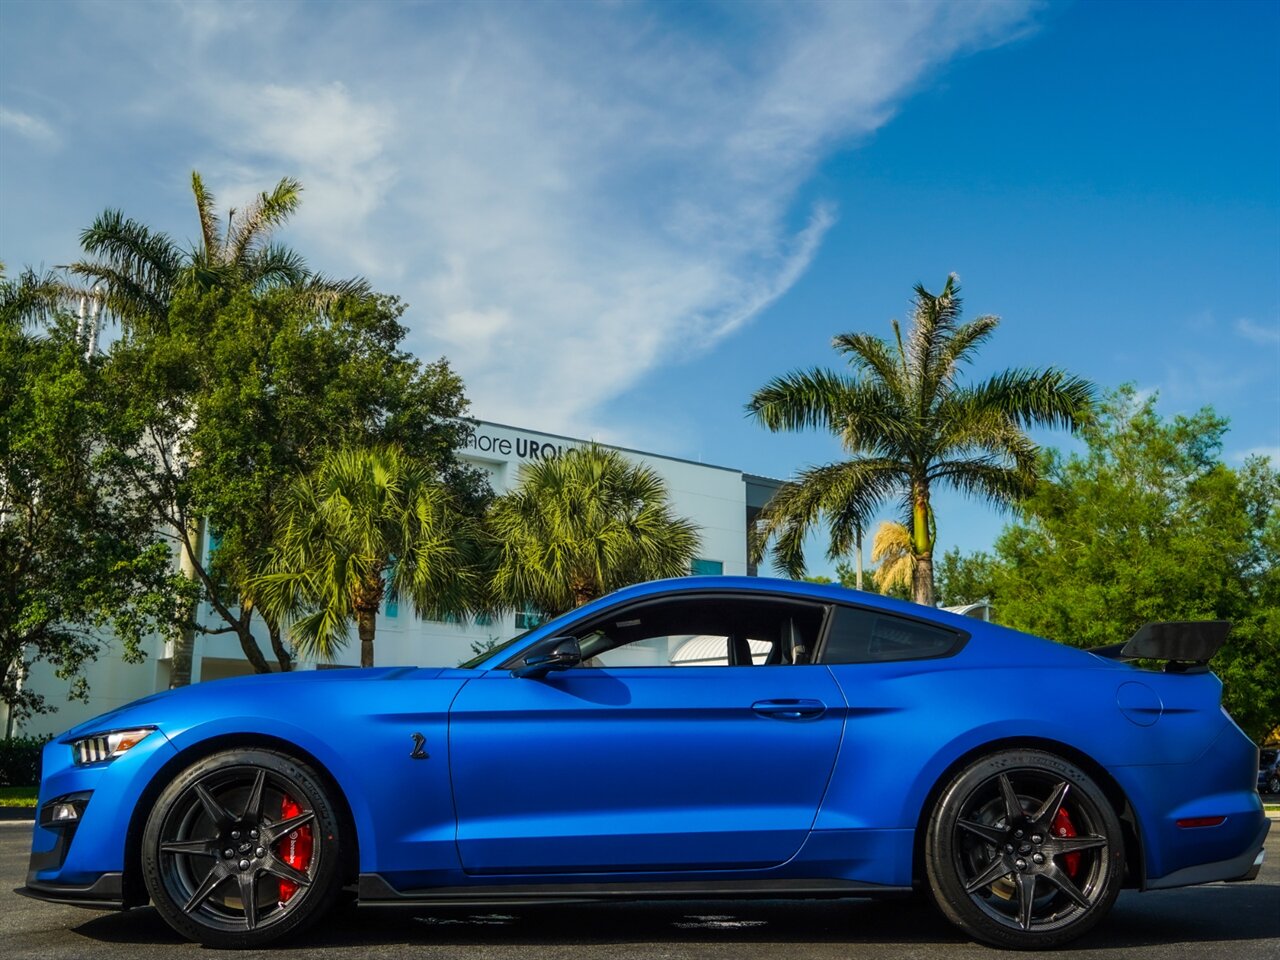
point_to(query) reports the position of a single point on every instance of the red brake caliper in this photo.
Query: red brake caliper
(294, 849)
(1062, 827)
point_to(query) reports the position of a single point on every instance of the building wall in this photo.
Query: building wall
(716, 498)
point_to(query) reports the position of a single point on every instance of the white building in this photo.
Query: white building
(722, 501)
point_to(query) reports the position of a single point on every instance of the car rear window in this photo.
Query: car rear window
(872, 636)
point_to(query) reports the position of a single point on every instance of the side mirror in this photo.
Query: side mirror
(554, 653)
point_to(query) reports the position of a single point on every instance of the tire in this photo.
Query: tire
(1031, 876)
(220, 830)
(1273, 785)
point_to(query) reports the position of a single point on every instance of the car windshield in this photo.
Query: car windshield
(496, 648)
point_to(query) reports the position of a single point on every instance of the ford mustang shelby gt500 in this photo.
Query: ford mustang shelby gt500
(706, 737)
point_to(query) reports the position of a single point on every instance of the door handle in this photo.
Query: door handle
(790, 709)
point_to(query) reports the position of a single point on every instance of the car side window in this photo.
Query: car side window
(873, 636)
(703, 631)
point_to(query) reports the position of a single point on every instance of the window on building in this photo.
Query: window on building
(484, 620)
(528, 618)
(706, 568)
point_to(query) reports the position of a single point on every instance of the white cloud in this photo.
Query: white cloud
(28, 126)
(567, 196)
(1258, 332)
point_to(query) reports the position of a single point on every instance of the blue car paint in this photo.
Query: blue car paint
(660, 773)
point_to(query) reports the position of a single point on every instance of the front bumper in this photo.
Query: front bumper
(82, 861)
(105, 893)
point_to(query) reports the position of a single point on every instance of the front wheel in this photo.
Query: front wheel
(241, 848)
(1023, 850)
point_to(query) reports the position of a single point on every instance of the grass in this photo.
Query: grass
(18, 797)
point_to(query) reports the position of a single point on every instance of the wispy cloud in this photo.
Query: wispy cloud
(567, 195)
(25, 125)
(1258, 332)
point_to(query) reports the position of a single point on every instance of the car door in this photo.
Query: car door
(688, 740)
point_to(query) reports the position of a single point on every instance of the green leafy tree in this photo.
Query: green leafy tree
(368, 524)
(583, 524)
(909, 426)
(79, 560)
(238, 394)
(847, 577)
(965, 578)
(236, 368)
(1148, 524)
(140, 274)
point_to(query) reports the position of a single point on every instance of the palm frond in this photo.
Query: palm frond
(846, 493)
(209, 230)
(139, 266)
(1035, 398)
(871, 354)
(267, 212)
(31, 297)
(894, 553)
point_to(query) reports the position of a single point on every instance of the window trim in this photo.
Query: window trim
(961, 641)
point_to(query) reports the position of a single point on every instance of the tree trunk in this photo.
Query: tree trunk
(184, 643)
(252, 652)
(922, 581)
(858, 561)
(922, 545)
(366, 621)
(283, 656)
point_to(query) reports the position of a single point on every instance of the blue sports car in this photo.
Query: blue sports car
(706, 737)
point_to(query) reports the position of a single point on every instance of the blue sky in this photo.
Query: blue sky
(619, 220)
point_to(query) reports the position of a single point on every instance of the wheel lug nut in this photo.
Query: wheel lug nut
(259, 852)
(1008, 848)
(1020, 864)
(244, 864)
(1016, 833)
(1036, 838)
(254, 834)
(235, 834)
(1038, 857)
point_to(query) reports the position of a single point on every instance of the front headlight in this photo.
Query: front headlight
(108, 746)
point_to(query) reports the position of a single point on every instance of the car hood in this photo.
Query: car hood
(142, 711)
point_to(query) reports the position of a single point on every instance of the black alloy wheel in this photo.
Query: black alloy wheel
(1024, 851)
(241, 849)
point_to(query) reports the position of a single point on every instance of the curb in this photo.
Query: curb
(17, 814)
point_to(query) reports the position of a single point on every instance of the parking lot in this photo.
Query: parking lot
(1221, 920)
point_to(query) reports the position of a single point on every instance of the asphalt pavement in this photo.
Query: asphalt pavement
(1240, 920)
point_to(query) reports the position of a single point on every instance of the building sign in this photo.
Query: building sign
(523, 448)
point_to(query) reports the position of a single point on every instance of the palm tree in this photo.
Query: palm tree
(909, 427)
(583, 524)
(892, 549)
(368, 524)
(141, 270)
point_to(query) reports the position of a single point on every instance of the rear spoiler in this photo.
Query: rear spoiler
(1183, 644)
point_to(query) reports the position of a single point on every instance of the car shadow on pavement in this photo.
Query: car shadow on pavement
(1220, 913)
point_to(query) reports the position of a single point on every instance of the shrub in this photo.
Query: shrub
(20, 760)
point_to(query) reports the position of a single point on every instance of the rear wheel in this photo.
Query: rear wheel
(1024, 851)
(242, 849)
